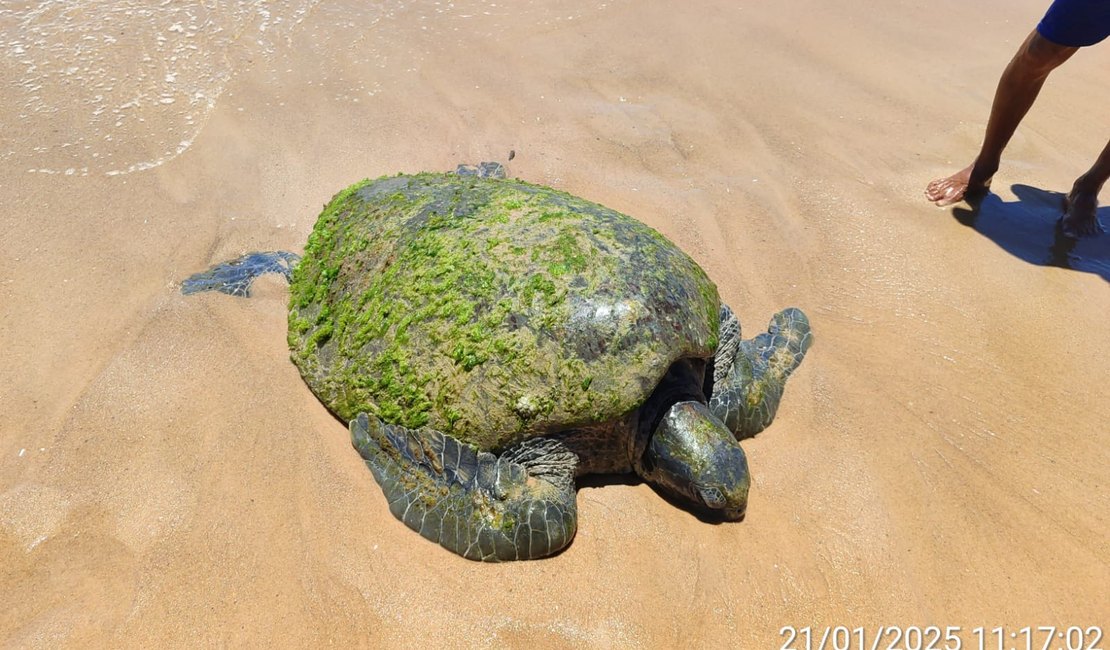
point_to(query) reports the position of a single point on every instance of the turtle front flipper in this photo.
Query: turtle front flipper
(749, 376)
(516, 506)
(235, 276)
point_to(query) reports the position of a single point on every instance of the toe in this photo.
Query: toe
(1091, 228)
(951, 194)
(1077, 229)
(937, 190)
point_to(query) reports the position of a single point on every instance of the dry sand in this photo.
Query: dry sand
(166, 479)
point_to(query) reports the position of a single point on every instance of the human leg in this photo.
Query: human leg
(1018, 87)
(1080, 208)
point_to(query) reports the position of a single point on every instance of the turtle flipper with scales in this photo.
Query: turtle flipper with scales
(488, 340)
(749, 376)
(236, 276)
(518, 505)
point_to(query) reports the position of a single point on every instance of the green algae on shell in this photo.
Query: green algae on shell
(492, 310)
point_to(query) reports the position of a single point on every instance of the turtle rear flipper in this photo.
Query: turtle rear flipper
(750, 376)
(235, 277)
(516, 506)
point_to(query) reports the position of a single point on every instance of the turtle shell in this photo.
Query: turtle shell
(493, 310)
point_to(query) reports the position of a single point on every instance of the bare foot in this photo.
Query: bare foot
(1080, 215)
(964, 183)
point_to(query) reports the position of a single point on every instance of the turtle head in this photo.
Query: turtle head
(693, 457)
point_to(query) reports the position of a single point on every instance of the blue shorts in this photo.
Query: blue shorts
(1076, 23)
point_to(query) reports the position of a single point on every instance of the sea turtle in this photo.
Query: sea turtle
(487, 340)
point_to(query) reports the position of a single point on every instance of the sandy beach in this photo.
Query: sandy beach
(167, 479)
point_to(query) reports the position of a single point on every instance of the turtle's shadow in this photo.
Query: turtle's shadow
(1027, 229)
(602, 480)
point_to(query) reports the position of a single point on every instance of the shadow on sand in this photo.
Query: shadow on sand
(602, 480)
(1026, 228)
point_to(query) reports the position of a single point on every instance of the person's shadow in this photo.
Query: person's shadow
(1026, 228)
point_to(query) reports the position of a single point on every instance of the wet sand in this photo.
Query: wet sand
(167, 479)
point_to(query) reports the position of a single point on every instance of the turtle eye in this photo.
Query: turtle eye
(712, 497)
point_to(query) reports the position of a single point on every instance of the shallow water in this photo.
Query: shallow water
(123, 86)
